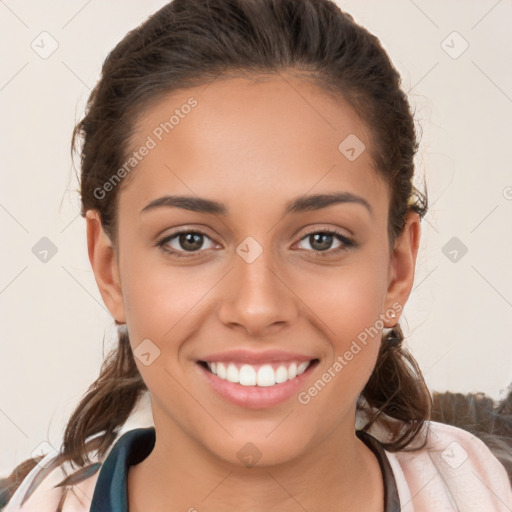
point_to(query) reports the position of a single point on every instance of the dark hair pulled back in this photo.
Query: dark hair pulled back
(191, 42)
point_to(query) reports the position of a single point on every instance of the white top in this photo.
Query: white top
(455, 471)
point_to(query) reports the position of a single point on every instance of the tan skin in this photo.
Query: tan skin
(253, 146)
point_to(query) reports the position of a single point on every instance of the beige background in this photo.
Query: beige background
(54, 328)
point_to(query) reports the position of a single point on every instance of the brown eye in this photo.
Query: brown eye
(182, 242)
(190, 241)
(322, 241)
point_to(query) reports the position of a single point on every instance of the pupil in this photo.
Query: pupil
(190, 238)
(319, 237)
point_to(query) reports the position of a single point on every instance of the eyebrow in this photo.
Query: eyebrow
(296, 205)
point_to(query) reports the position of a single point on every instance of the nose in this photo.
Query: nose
(257, 298)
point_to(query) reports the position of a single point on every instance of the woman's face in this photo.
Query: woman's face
(253, 275)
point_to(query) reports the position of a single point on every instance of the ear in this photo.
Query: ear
(403, 264)
(105, 266)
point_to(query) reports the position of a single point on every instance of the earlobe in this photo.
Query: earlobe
(403, 263)
(105, 266)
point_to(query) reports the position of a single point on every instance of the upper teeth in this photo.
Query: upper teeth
(265, 375)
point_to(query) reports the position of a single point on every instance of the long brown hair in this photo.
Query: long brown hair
(191, 42)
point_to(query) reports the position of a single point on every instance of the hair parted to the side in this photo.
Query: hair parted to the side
(192, 42)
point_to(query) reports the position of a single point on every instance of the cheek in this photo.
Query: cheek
(348, 305)
(347, 300)
(349, 312)
(158, 297)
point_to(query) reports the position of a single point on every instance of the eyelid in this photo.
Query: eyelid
(331, 230)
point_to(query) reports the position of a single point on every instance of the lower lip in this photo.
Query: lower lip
(256, 397)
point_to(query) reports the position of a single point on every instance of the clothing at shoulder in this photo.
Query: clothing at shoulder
(41, 491)
(454, 471)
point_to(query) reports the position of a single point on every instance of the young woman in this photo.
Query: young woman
(252, 224)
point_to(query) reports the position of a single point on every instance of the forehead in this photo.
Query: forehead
(245, 139)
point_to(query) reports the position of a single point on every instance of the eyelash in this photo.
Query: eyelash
(347, 243)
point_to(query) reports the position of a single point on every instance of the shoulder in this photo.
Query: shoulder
(52, 486)
(56, 486)
(453, 471)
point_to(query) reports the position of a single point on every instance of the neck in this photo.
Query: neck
(335, 475)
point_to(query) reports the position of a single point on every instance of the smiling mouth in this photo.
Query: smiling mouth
(258, 375)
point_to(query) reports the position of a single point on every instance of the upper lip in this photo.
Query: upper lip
(247, 356)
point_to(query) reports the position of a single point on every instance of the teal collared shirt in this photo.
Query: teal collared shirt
(111, 495)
